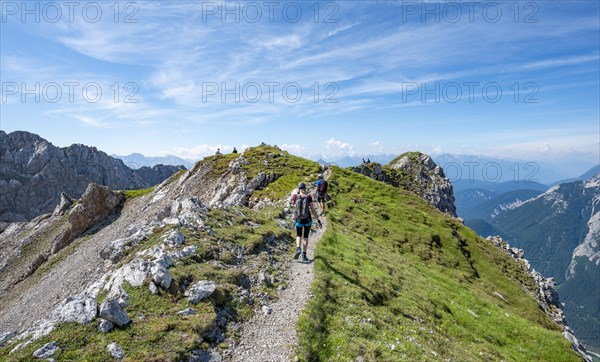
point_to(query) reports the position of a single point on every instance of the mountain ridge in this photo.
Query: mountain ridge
(558, 231)
(180, 265)
(34, 173)
(137, 160)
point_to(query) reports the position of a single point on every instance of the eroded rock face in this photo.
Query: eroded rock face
(35, 173)
(428, 180)
(96, 203)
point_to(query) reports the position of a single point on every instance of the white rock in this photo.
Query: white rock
(80, 310)
(105, 326)
(174, 237)
(6, 337)
(161, 276)
(153, 288)
(48, 350)
(200, 290)
(113, 312)
(116, 351)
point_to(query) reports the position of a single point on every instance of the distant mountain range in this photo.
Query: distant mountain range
(137, 160)
(351, 161)
(559, 229)
(585, 176)
(480, 168)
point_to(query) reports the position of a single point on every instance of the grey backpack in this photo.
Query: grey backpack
(302, 208)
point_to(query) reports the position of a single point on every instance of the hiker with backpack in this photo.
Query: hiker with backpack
(303, 219)
(322, 187)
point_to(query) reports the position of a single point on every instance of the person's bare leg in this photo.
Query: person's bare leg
(305, 245)
(298, 249)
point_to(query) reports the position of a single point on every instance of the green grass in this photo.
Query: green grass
(156, 334)
(390, 270)
(289, 171)
(395, 280)
(130, 194)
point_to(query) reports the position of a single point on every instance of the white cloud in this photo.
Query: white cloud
(295, 149)
(338, 148)
(437, 150)
(377, 147)
(201, 151)
(89, 121)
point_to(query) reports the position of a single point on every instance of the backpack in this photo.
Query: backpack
(302, 208)
(322, 186)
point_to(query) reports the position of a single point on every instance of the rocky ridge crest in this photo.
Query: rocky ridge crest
(416, 172)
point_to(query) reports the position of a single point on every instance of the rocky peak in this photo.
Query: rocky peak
(416, 172)
(427, 179)
(34, 173)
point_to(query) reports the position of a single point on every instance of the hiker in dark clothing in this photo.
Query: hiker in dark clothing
(304, 210)
(234, 150)
(322, 186)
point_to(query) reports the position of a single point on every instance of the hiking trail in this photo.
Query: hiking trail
(273, 337)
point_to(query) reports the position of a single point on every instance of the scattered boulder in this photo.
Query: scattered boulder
(174, 237)
(200, 290)
(114, 251)
(116, 351)
(118, 293)
(153, 288)
(267, 310)
(105, 326)
(47, 351)
(79, 309)
(161, 276)
(111, 310)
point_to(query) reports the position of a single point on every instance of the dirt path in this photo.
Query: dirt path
(272, 337)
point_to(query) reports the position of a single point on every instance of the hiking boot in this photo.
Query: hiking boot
(297, 254)
(304, 258)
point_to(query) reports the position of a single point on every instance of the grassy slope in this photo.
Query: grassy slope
(396, 279)
(378, 268)
(157, 334)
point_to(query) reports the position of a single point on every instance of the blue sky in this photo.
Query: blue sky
(371, 61)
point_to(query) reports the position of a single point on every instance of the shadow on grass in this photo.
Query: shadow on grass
(375, 299)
